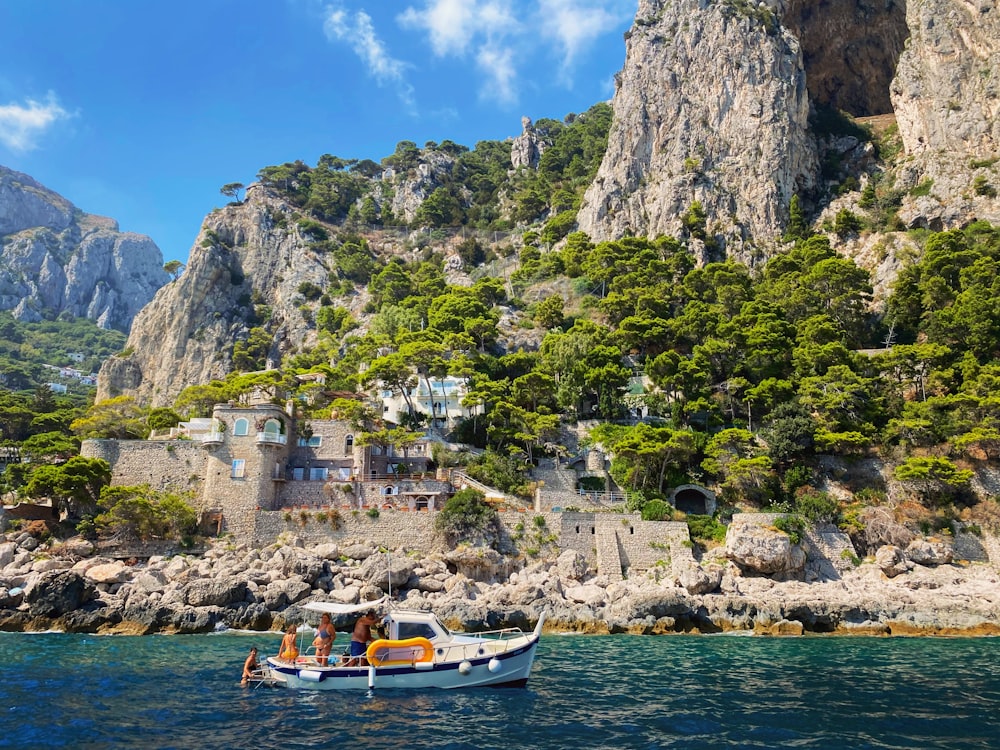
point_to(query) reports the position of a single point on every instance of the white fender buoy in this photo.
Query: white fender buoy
(371, 677)
(494, 665)
(465, 667)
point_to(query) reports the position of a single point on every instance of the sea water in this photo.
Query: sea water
(82, 691)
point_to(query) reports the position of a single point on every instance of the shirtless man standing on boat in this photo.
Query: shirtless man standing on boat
(360, 638)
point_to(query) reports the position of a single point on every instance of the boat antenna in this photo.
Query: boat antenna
(388, 571)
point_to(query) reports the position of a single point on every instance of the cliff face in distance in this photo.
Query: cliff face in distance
(185, 336)
(716, 105)
(946, 97)
(712, 106)
(54, 259)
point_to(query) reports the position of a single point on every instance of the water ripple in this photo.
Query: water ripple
(69, 691)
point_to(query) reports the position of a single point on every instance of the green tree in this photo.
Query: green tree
(934, 480)
(174, 268)
(232, 190)
(467, 517)
(120, 418)
(74, 486)
(549, 312)
(140, 513)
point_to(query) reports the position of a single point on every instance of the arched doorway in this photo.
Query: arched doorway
(690, 498)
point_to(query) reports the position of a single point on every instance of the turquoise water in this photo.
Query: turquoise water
(78, 691)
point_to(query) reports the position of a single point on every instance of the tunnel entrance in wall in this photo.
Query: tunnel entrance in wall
(692, 499)
(850, 49)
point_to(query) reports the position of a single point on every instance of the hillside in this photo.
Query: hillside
(730, 275)
(56, 260)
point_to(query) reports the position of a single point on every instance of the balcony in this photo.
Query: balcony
(271, 438)
(212, 438)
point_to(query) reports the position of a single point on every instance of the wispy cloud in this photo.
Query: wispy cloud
(507, 35)
(491, 28)
(574, 25)
(357, 30)
(21, 125)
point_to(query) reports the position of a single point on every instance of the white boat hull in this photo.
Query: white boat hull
(481, 668)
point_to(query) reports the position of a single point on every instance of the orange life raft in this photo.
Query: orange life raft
(384, 652)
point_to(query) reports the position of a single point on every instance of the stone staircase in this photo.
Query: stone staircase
(558, 486)
(609, 557)
(830, 550)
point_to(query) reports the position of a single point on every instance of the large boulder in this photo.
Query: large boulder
(7, 552)
(215, 592)
(763, 549)
(892, 560)
(57, 593)
(386, 571)
(929, 552)
(112, 572)
(572, 564)
(698, 580)
(478, 563)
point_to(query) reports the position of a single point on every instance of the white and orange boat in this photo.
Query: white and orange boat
(417, 652)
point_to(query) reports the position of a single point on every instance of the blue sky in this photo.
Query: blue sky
(141, 110)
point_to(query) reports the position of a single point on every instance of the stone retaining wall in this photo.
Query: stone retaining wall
(641, 543)
(162, 464)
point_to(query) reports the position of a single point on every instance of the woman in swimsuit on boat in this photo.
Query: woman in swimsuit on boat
(323, 642)
(289, 650)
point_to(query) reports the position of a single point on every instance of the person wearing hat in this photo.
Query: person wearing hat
(360, 638)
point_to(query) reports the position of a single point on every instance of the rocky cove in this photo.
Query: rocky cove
(758, 582)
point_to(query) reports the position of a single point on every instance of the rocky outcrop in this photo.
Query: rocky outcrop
(246, 255)
(403, 192)
(527, 148)
(56, 259)
(263, 589)
(946, 96)
(712, 107)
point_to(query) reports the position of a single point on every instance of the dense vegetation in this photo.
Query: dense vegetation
(25, 349)
(742, 378)
(470, 185)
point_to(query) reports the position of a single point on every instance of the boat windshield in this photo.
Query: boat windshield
(441, 625)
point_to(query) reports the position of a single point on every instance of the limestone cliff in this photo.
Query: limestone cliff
(245, 255)
(711, 106)
(57, 259)
(527, 148)
(946, 96)
(713, 103)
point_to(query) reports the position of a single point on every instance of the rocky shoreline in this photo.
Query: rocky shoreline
(68, 587)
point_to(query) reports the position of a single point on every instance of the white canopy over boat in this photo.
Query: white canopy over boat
(336, 608)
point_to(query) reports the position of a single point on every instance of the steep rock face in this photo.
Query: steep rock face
(527, 148)
(849, 50)
(711, 106)
(54, 258)
(946, 96)
(405, 193)
(244, 256)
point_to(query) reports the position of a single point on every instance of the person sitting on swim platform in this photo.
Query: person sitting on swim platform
(289, 650)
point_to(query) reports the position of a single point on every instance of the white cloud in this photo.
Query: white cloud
(21, 125)
(449, 23)
(576, 24)
(491, 28)
(505, 35)
(359, 33)
(498, 65)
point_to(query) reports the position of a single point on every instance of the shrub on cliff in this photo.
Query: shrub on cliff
(467, 517)
(140, 513)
